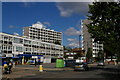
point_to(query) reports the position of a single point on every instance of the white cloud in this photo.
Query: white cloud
(68, 8)
(71, 40)
(47, 23)
(73, 45)
(27, 3)
(72, 32)
(107, 0)
(81, 8)
(11, 26)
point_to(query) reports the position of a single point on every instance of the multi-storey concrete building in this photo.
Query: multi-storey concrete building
(39, 31)
(88, 42)
(96, 47)
(12, 45)
(86, 38)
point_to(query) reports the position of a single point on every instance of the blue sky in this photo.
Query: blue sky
(62, 17)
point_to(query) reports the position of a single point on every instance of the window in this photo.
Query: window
(5, 38)
(19, 49)
(17, 40)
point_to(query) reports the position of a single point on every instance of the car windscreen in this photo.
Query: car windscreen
(78, 63)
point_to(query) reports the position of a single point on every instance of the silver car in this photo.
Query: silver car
(100, 64)
(81, 66)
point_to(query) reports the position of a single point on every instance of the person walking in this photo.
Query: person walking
(35, 62)
(10, 66)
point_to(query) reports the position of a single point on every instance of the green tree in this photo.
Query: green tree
(89, 53)
(66, 49)
(77, 55)
(105, 24)
(101, 55)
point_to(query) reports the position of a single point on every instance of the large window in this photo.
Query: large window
(18, 40)
(20, 49)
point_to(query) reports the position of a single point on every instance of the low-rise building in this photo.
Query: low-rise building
(14, 45)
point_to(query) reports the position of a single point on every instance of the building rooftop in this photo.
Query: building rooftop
(39, 25)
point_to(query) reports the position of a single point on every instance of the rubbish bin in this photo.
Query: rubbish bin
(59, 63)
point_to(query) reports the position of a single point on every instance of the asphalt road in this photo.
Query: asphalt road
(30, 71)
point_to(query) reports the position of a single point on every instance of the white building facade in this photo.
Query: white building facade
(14, 45)
(88, 42)
(40, 32)
(96, 47)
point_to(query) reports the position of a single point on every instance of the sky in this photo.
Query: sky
(60, 16)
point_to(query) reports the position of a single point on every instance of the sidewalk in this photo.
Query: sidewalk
(30, 71)
(45, 69)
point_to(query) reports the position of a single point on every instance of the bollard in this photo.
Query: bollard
(13, 64)
(115, 62)
(23, 60)
(40, 68)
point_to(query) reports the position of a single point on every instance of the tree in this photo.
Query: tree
(101, 55)
(89, 53)
(77, 55)
(66, 49)
(105, 25)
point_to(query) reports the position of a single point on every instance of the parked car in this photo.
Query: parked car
(81, 66)
(89, 62)
(101, 64)
(30, 62)
(111, 62)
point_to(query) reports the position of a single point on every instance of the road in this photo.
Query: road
(30, 71)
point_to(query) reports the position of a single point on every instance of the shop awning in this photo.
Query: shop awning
(27, 55)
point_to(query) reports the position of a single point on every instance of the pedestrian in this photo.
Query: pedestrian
(13, 64)
(5, 68)
(117, 61)
(10, 66)
(5, 64)
(35, 62)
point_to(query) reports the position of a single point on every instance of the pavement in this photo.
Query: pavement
(49, 71)
(31, 70)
